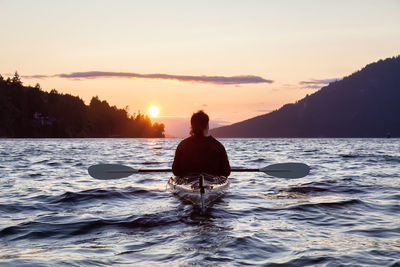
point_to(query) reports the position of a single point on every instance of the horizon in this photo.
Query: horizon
(233, 61)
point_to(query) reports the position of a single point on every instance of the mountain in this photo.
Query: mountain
(364, 104)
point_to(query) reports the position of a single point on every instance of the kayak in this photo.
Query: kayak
(200, 189)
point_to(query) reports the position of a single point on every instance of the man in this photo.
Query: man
(200, 153)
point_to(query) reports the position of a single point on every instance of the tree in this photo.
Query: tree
(16, 80)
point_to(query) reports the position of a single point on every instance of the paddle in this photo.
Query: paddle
(280, 170)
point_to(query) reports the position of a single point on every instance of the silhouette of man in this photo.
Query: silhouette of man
(200, 153)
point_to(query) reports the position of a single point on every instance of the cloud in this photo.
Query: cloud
(317, 83)
(323, 81)
(35, 76)
(241, 79)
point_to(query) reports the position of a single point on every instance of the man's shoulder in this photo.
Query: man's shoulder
(215, 141)
(192, 139)
(186, 141)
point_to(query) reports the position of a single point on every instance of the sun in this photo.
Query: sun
(153, 111)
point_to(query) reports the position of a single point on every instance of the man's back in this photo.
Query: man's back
(200, 154)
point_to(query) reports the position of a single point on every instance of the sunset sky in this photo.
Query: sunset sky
(233, 59)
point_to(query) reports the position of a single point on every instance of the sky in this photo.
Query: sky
(233, 59)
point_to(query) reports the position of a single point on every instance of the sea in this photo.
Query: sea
(346, 212)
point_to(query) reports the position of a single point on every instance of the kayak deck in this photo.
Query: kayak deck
(189, 187)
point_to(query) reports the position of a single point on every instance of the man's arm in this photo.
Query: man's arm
(225, 167)
(176, 166)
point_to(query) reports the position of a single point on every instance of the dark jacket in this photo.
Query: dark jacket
(200, 154)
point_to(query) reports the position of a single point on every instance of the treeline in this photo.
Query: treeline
(27, 111)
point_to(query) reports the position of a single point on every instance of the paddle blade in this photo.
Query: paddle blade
(287, 170)
(110, 171)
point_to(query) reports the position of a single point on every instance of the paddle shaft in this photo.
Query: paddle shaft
(233, 170)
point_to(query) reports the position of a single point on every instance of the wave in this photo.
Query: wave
(372, 157)
(45, 230)
(152, 163)
(379, 232)
(307, 189)
(306, 261)
(327, 205)
(257, 160)
(97, 194)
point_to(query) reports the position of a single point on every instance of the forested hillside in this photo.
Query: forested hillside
(364, 104)
(27, 111)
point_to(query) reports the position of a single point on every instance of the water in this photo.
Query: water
(346, 212)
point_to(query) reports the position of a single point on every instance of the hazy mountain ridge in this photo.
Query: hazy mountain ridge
(363, 104)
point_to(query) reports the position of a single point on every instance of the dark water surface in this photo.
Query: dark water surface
(346, 212)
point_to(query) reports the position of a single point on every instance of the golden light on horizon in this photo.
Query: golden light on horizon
(153, 111)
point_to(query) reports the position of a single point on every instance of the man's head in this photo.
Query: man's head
(199, 122)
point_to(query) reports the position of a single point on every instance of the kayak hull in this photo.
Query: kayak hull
(188, 187)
